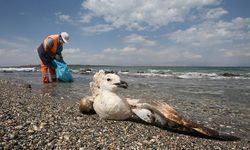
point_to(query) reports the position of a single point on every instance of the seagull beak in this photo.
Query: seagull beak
(122, 84)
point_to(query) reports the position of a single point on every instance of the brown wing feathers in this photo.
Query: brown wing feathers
(171, 115)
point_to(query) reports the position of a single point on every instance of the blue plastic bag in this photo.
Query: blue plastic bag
(62, 71)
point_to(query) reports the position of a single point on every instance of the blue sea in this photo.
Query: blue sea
(216, 96)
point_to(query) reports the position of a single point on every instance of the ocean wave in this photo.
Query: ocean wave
(167, 73)
(18, 69)
(171, 72)
(146, 72)
(188, 75)
(154, 71)
(197, 75)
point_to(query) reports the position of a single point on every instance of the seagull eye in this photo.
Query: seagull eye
(108, 79)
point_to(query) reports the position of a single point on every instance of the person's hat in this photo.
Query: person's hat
(65, 37)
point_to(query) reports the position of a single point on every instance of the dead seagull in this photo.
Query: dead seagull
(108, 105)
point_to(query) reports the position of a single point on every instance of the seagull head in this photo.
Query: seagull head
(111, 82)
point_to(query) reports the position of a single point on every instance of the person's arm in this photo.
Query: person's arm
(48, 57)
(48, 44)
(59, 56)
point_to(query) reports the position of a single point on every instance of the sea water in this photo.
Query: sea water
(155, 82)
(218, 95)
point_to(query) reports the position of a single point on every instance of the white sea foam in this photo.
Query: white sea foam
(181, 75)
(197, 75)
(168, 71)
(74, 70)
(17, 69)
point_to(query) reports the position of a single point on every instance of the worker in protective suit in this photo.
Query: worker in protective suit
(51, 48)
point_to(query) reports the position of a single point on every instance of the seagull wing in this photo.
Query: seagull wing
(160, 113)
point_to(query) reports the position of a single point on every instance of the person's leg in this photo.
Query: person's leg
(52, 74)
(45, 75)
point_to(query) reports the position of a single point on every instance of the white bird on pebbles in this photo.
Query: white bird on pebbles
(108, 105)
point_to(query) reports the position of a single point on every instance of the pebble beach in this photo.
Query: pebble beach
(43, 121)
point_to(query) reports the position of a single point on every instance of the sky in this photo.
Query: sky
(129, 32)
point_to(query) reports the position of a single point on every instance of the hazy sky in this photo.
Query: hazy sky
(129, 32)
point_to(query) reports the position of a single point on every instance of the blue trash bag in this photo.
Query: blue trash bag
(62, 71)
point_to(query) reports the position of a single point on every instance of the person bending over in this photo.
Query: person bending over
(51, 48)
